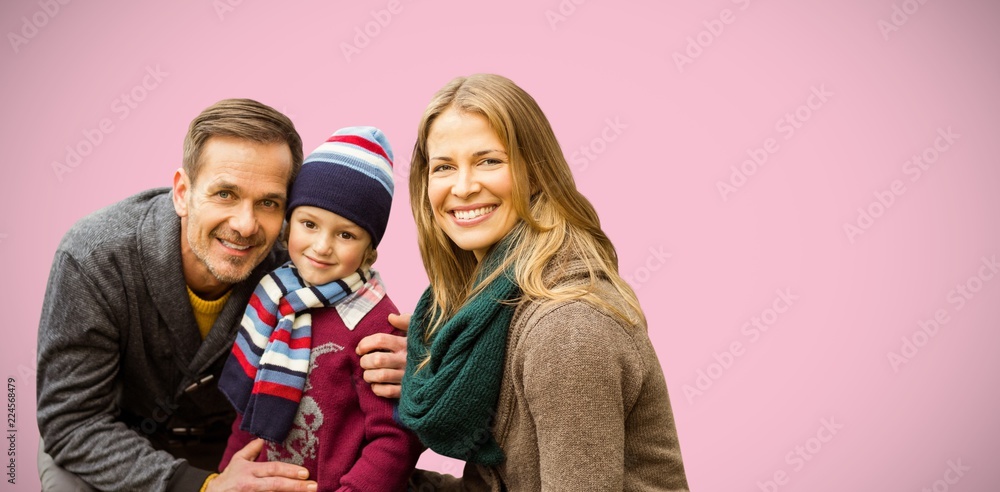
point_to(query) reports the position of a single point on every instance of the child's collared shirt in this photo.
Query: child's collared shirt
(343, 433)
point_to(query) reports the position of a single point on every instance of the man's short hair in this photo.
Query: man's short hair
(245, 119)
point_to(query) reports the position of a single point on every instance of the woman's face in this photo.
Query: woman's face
(469, 182)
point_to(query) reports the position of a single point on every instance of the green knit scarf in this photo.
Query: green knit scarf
(451, 402)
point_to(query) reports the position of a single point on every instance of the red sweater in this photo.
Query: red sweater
(343, 433)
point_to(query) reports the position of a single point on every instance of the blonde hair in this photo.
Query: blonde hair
(553, 215)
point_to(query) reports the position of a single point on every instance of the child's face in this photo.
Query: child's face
(325, 246)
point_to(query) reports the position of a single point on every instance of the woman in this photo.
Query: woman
(528, 355)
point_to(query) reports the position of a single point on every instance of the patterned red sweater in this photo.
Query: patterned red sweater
(343, 433)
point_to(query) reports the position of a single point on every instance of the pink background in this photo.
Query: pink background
(662, 135)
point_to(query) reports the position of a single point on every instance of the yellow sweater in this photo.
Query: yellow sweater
(205, 312)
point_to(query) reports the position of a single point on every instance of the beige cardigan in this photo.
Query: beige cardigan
(583, 406)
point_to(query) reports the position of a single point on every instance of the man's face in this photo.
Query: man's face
(232, 211)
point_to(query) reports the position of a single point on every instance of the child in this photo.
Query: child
(293, 375)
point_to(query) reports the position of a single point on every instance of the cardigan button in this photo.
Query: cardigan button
(188, 431)
(199, 383)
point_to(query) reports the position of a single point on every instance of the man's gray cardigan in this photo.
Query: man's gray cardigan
(120, 356)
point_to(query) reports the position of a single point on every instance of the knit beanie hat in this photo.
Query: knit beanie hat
(351, 176)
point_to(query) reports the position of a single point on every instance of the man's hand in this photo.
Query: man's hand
(383, 357)
(245, 474)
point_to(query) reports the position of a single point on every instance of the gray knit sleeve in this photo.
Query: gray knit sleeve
(79, 347)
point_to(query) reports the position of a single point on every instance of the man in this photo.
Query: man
(142, 307)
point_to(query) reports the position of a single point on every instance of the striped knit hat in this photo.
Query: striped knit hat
(351, 176)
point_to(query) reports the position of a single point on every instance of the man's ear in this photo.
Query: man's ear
(182, 186)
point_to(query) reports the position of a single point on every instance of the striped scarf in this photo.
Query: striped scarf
(266, 370)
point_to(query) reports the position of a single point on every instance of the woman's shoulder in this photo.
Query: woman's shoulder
(576, 325)
(576, 341)
(562, 274)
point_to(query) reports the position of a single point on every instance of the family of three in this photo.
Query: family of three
(231, 333)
